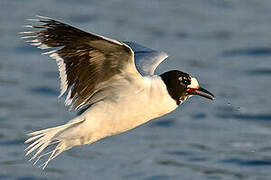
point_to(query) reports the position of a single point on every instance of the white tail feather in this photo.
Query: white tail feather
(59, 137)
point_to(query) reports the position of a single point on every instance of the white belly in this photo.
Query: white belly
(135, 107)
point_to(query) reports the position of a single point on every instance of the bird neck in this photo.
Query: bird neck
(173, 87)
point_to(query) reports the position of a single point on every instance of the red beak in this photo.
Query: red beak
(201, 92)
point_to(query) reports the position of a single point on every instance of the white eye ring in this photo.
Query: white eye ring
(181, 81)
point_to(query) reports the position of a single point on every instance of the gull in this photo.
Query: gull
(111, 84)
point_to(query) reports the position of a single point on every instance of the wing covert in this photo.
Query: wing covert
(85, 61)
(146, 59)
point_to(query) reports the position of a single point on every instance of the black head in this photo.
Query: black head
(181, 86)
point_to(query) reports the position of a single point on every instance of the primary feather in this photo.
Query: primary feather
(82, 59)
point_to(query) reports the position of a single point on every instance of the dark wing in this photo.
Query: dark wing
(146, 59)
(85, 61)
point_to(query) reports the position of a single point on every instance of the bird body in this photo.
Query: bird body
(111, 82)
(127, 111)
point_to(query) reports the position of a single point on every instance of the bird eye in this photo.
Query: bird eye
(185, 81)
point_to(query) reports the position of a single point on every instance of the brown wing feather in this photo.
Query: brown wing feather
(85, 60)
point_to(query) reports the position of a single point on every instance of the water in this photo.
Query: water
(226, 44)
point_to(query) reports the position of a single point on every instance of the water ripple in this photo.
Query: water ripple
(256, 51)
(179, 153)
(29, 178)
(206, 170)
(198, 159)
(245, 162)
(259, 72)
(44, 91)
(199, 116)
(158, 177)
(164, 123)
(6, 82)
(258, 117)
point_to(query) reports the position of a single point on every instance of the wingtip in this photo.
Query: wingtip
(48, 53)
(38, 18)
(42, 17)
(31, 19)
(28, 26)
(28, 37)
(27, 32)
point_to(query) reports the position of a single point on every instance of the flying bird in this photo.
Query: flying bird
(111, 84)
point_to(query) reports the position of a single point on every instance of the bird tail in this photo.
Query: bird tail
(52, 141)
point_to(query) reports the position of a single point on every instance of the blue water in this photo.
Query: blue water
(225, 44)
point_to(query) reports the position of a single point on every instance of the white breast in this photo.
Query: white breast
(137, 105)
(160, 101)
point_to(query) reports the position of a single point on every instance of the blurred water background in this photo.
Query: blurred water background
(226, 44)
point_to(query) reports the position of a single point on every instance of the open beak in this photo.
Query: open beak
(201, 92)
